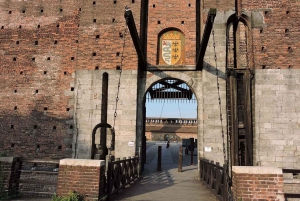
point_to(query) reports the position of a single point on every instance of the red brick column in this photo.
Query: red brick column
(257, 183)
(84, 176)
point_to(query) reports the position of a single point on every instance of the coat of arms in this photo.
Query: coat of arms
(171, 48)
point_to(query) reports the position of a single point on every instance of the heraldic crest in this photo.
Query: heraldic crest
(171, 48)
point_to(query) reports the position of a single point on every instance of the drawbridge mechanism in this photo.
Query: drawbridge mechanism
(170, 89)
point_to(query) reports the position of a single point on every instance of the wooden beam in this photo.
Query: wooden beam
(207, 30)
(135, 37)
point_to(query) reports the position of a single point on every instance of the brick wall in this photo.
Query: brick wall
(86, 177)
(255, 183)
(43, 43)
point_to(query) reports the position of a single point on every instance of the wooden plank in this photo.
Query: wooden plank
(248, 119)
(23, 181)
(50, 161)
(135, 37)
(294, 171)
(207, 30)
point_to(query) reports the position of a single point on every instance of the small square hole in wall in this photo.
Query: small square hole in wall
(61, 10)
(115, 1)
(20, 27)
(48, 58)
(286, 31)
(120, 35)
(35, 126)
(189, 5)
(287, 12)
(71, 126)
(263, 48)
(15, 91)
(72, 88)
(153, 5)
(261, 30)
(37, 146)
(113, 20)
(94, 54)
(45, 72)
(72, 58)
(94, 20)
(290, 67)
(118, 67)
(290, 49)
(182, 22)
(133, 1)
(94, 2)
(59, 147)
(36, 42)
(79, 9)
(42, 10)
(97, 36)
(23, 11)
(36, 91)
(55, 42)
(118, 54)
(12, 145)
(263, 66)
(33, 59)
(16, 107)
(96, 67)
(21, 72)
(45, 108)
(54, 127)
(67, 109)
(9, 12)
(17, 42)
(38, 26)
(65, 73)
(158, 22)
(57, 26)
(12, 126)
(76, 41)
(266, 13)
(14, 59)
(2, 27)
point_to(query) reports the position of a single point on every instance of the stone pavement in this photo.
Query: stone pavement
(169, 184)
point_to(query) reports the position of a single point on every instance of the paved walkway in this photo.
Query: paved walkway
(169, 184)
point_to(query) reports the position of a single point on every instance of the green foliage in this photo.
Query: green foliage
(73, 196)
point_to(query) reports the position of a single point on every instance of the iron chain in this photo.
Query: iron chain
(121, 68)
(228, 179)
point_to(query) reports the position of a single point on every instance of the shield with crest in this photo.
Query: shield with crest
(171, 48)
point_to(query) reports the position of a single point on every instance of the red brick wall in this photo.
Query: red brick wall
(86, 180)
(278, 36)
(42, 44)
(257, 184)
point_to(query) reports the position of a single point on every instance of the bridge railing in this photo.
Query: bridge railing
(121, 173)
(214, 177)
(186, 121)
(291, 195)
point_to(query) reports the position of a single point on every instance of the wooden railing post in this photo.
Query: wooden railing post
(159, 159)
(180, 160)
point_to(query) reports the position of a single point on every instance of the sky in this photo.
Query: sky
(171, 109)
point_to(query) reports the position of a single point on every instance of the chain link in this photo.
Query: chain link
(226, 166)
(121, 69)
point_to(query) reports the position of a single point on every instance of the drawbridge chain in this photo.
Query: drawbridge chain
(121, 68)
(226, 164)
